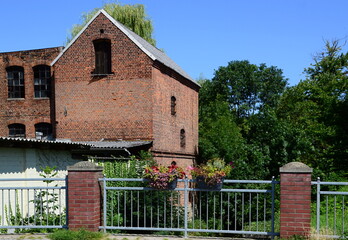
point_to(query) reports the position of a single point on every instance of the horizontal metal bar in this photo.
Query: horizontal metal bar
(251, 181)
(329, 183)
(32, 188)
(233, 231)
(189, 180)
(31, 179)
(33, 226)
(189, 230)
(232, 190)
(139, 188)
(123, 179)
(193, 189)
(143, 228)
(333, 193)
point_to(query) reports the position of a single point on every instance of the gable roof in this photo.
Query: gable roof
(151, 51)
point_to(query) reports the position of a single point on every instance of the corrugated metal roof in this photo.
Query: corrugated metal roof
(91, 144)
(33, 140)
(153, 52)
(116, 144)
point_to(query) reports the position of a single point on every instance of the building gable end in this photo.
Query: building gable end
(117, 24)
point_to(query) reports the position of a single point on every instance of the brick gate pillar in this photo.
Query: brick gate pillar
(295, 199)
(84, 196)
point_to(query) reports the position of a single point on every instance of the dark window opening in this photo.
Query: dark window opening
(43, 131)
(173, 105)
(42, 81)
(182, 138)
(15, 79)
(16, 130)
(102, 48)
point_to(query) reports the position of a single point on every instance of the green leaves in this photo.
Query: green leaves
(132, 16)
(231, 113)
(249, 116)
(317, 107)
(247, 87)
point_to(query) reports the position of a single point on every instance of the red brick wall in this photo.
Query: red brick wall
(27, 111)
(132, 103)
(295, 204)
(84, 200)
(118, 106)
(167, 126)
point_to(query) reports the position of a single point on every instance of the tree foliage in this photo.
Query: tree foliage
(318, 107)
(132, 16)
(231, 105)
(247, 115)
(248, 88)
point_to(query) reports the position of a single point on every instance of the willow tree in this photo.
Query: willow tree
(132, 16)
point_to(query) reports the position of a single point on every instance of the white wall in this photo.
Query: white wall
(27, 163)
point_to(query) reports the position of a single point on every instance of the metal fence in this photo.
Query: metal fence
(28, 203)
(239, 208)
(331, 216)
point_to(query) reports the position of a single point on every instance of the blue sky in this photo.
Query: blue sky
(199, 35)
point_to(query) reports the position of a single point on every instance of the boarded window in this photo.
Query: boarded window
(173, 105)
(15, 79)
(42, 81)
(102, 48)
(16, 130)
(182, 138)
(43, 131)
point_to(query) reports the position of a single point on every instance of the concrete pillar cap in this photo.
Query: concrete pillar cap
(295, 167)
(85, 166)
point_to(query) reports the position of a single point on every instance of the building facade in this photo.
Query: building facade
(107, 85)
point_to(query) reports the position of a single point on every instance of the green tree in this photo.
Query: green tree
(318, 108)
(237, 122)
(248, 88)
(132, 16)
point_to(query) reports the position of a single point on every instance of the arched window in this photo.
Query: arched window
(182, 138)
(173, 105)
(102, 49)
(43, 131)
(15, 79)
(16, 130)
(42, 81)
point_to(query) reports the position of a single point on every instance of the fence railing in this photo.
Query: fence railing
(331, 213)
(27, 203)
(238, 208)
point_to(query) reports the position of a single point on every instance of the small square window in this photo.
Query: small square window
(43, 131)
(16, 130)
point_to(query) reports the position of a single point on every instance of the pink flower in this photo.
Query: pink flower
(190, 168)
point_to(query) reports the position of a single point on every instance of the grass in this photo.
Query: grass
(76, 235)
(263, 225)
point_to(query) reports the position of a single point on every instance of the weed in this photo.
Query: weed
(75, 235)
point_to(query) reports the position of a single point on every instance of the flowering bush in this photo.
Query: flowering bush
(212, 172)
(161, 176)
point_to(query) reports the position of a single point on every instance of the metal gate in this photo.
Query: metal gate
(28, 203)
(241, 207)
(331, 216)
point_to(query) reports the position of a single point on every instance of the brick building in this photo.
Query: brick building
(108, 86)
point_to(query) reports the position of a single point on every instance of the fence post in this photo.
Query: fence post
(295, 199)
(84, 196)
